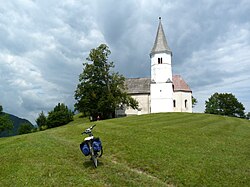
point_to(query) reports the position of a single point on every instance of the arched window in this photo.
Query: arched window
(174, 102)
(186, 103)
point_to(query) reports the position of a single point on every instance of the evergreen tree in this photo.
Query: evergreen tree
(100, 90)
(41, 121)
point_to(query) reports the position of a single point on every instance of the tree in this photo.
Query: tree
(100, 90)
(41, 121)
(5, 122)
(25, 128)
(59, 116)
(224, 104)
(194, 101)
(248, 115)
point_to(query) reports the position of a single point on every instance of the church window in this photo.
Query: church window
(174, 103)
(159, 60)
(185, 103)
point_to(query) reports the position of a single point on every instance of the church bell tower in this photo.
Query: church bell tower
(161, 87)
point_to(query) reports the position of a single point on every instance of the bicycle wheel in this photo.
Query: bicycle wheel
(101, 152)
(93, 157)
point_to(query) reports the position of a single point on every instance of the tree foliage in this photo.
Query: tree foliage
(194, 101)
(5, 122)
(100, 90)
(248, 115)
(59, 116)
(224, 104)
(25, 128)
(41, 121)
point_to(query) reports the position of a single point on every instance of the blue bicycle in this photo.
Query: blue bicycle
(91, 145)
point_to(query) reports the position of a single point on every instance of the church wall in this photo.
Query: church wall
(161, 72)
(144, 103)
(161, 97)
(181, 99)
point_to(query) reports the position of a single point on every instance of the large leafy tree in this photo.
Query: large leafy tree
(100, 90)
(5, 122)
(225, 104)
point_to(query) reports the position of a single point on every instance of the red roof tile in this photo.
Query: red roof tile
(180, 84)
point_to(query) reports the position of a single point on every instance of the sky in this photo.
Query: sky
(44, 43)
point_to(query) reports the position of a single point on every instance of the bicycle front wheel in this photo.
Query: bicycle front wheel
(94, 158)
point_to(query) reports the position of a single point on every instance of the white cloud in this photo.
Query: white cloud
(42, 52)
(222, 67)
(43, 45)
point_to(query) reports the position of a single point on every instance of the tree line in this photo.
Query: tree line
(60, 115)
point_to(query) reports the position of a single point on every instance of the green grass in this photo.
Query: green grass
(169, 149)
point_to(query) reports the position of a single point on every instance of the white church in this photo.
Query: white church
(163, 92)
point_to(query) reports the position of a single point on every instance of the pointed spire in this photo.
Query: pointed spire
(160, 45)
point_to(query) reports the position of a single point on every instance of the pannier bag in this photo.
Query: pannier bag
(97, 145)
(84, 148)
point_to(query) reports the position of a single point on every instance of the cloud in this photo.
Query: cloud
(42, 53)
(223, 68)
(44, 43)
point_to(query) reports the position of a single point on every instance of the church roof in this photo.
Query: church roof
(180, 84)
(160, 44)
(138, 85)
(142, 85)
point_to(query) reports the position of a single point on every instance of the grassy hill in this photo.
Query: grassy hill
(171, 149)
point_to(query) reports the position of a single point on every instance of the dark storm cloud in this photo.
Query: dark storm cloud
(44, 43)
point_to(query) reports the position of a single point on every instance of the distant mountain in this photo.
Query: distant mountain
(16, 124)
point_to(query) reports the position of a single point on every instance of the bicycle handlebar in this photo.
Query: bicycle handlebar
(89, 130)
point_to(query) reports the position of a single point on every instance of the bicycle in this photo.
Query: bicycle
(91, 146)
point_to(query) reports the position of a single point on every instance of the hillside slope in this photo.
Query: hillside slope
(169, 149)
(16, 124)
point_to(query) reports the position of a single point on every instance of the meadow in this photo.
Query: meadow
(166, 149)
